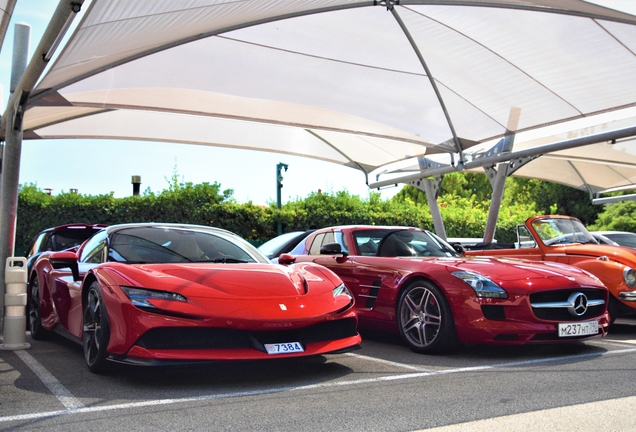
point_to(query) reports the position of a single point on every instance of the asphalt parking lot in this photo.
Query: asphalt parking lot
(384, 386)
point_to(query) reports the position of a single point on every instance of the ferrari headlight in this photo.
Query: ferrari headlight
(483, 286)
(140, 296)
(630, 277)
(342, 290)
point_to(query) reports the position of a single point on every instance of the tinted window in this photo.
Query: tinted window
(94, 251)
(320, 240)
(160, 244)
(413, 243)
(68, 238)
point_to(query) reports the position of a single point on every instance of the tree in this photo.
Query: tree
(617, 217)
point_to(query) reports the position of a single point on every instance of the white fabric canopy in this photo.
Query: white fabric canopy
(347, 81)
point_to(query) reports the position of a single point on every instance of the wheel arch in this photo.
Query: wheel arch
(86, 284)
(47, 311)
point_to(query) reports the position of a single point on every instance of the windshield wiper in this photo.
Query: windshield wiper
(225, 260)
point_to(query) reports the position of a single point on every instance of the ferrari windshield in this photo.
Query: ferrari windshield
(165, 244)
(401, 242)
(562, 231)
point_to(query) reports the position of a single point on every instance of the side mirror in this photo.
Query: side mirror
(65, 259)
(459, 248)
(331, 249)
(286, 259)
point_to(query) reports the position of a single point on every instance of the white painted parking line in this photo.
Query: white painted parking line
(306, 387)
(59, 391)
(387, 362)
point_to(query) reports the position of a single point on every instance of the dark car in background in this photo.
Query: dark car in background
(54, 239)
(60, 238)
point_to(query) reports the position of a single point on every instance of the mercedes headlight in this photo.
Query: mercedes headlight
(140, 296)
(484, 287)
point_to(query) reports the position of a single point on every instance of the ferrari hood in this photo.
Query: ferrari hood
(226, 281)
(243, 294)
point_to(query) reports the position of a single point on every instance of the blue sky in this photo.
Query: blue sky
(103, 166)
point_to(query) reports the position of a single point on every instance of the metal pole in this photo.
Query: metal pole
(431, 196)
(21, 42)
(279, 186)
(10, 175)
(498, 187)
(12, 123)
(5, 18)
(9, 201)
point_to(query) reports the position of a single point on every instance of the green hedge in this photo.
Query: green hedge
(206, 204)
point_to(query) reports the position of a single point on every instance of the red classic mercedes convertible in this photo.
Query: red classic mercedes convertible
(156, 293)
(409, 281)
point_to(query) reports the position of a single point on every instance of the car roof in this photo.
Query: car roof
(118, 227)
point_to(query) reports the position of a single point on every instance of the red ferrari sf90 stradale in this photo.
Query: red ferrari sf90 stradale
(157, 293)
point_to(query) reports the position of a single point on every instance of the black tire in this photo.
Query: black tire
(425, 319)
(35, 318)
(95, 330)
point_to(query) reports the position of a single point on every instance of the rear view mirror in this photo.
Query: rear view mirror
(286, 259)
(65, 259)
(459, 248)
(331, 249)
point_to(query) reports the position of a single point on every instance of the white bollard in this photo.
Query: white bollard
(15, 301)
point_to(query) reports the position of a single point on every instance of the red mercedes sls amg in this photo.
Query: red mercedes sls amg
(409, 281)
(157, 293)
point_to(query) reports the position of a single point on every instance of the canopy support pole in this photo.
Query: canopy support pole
(497, 179)
(12, 123)
(9, 200)
(431, 189)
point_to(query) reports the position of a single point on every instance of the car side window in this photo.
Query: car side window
(95, 249)
(340, 238)
(367, 243)
(51, 243)
(525, 238)
(319, 240)
(38, 245)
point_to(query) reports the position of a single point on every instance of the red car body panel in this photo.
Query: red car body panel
(233, 299)
(377, 283)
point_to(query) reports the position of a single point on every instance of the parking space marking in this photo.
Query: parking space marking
(59, 391)
(159, 402)
(387, 362)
